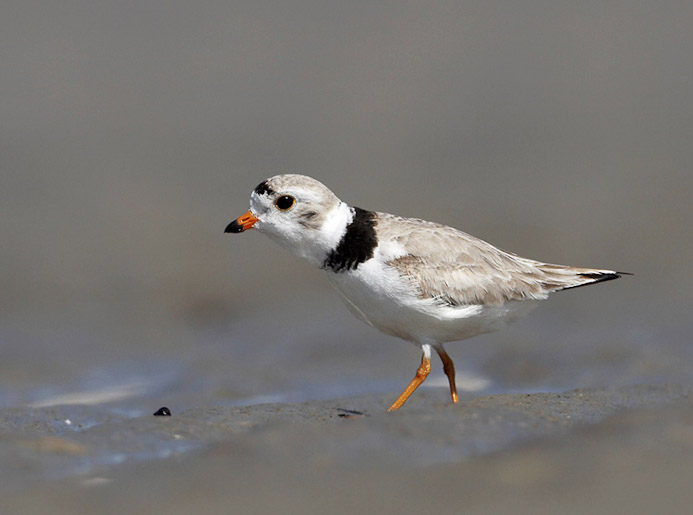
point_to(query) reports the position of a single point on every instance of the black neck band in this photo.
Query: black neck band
(357, 244)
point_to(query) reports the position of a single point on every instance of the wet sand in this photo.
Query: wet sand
(624, 450)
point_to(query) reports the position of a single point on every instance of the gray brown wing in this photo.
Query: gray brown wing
(458, 269)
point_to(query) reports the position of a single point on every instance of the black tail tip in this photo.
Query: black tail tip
(599, 277)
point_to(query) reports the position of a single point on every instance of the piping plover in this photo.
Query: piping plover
(420, 281)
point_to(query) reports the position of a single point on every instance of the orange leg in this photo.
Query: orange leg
(449, 368)
(421, 374)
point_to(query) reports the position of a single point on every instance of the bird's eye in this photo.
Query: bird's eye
(285, 202)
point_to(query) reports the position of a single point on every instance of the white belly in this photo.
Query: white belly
(377, 295)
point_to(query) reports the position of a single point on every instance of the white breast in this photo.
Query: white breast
(379, 296)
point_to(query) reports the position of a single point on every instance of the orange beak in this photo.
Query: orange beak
(242, 223)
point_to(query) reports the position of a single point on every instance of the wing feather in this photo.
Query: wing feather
(458, 269)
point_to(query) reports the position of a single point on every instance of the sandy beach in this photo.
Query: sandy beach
(599, 451)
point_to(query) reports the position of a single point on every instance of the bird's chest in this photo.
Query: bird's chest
(377, 295)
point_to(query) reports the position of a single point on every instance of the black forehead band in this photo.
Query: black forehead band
(263, 188)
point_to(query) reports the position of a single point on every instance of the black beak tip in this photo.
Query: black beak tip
(234, 227)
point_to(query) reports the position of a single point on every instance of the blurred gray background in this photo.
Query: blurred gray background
(131, 133)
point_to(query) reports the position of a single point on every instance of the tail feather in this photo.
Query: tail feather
(559, 277)
(595, 277)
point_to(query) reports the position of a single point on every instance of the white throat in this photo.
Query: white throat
(335, 225)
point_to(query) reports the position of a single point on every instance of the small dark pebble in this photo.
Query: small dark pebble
(163, 412)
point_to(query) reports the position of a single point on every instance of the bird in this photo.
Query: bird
(420, 281)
